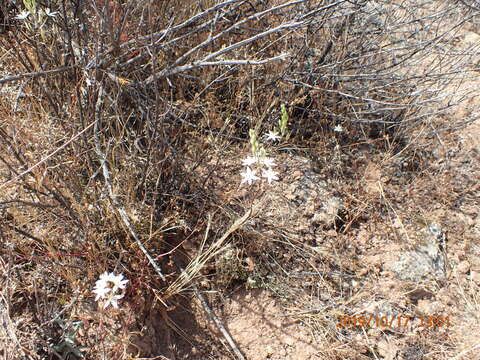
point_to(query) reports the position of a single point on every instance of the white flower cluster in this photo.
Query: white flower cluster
(265, 165)
(108, 287)
(25, 14)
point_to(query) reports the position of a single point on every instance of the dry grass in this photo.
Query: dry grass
(122, 126)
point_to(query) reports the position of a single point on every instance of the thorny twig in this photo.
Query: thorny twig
(189, 274)
(218, 323)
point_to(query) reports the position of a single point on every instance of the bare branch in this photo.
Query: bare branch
(170, 71)
(111, 194)
(242, 62)
(252, 39)
(218, 323)
(179, 69)
(36, 74)
(235, 26)
(99, 58)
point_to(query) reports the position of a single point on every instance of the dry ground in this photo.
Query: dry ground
(297, 319)
(368, 221)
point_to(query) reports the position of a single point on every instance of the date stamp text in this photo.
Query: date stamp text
(392, 321)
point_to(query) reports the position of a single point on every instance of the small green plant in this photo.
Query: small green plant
(67, 344)
(253, 140)
(257, 149)
(283, 122)
(30, 5)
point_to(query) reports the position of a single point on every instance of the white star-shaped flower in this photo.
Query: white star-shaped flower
(338, 128)
(249, 176)
(249, 160)
(23, 15)
(106, 277)
(112, 300)
(106, 287)
(101, 290)
(272, 136)
(268, 162)
(118, 282)
(50, 13)
(270, 175)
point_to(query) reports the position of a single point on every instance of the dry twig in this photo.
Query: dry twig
(218, 323)
(111, 194)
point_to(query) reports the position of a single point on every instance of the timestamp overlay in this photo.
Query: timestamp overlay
(392, 321)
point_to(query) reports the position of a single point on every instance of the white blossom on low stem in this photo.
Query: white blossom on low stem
(50, 13)
(249, 176)
(338, 128)
(268, 162)
(118, 282)
(270, 175)
(272, 136)
(112, 300)
(106, 277)
(249, 160)
(107, 287)
(23, 15)
(101, 290)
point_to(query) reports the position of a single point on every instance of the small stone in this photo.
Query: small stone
(269, 350)
(426, 261)
(475, 277)
(429, 307)
(332, 233)
(297, 174)
(387, 350)
(463, 267)
(288, 340)
(290, 196)
(471, 38)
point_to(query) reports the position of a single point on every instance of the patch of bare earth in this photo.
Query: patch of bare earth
(263, 329)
